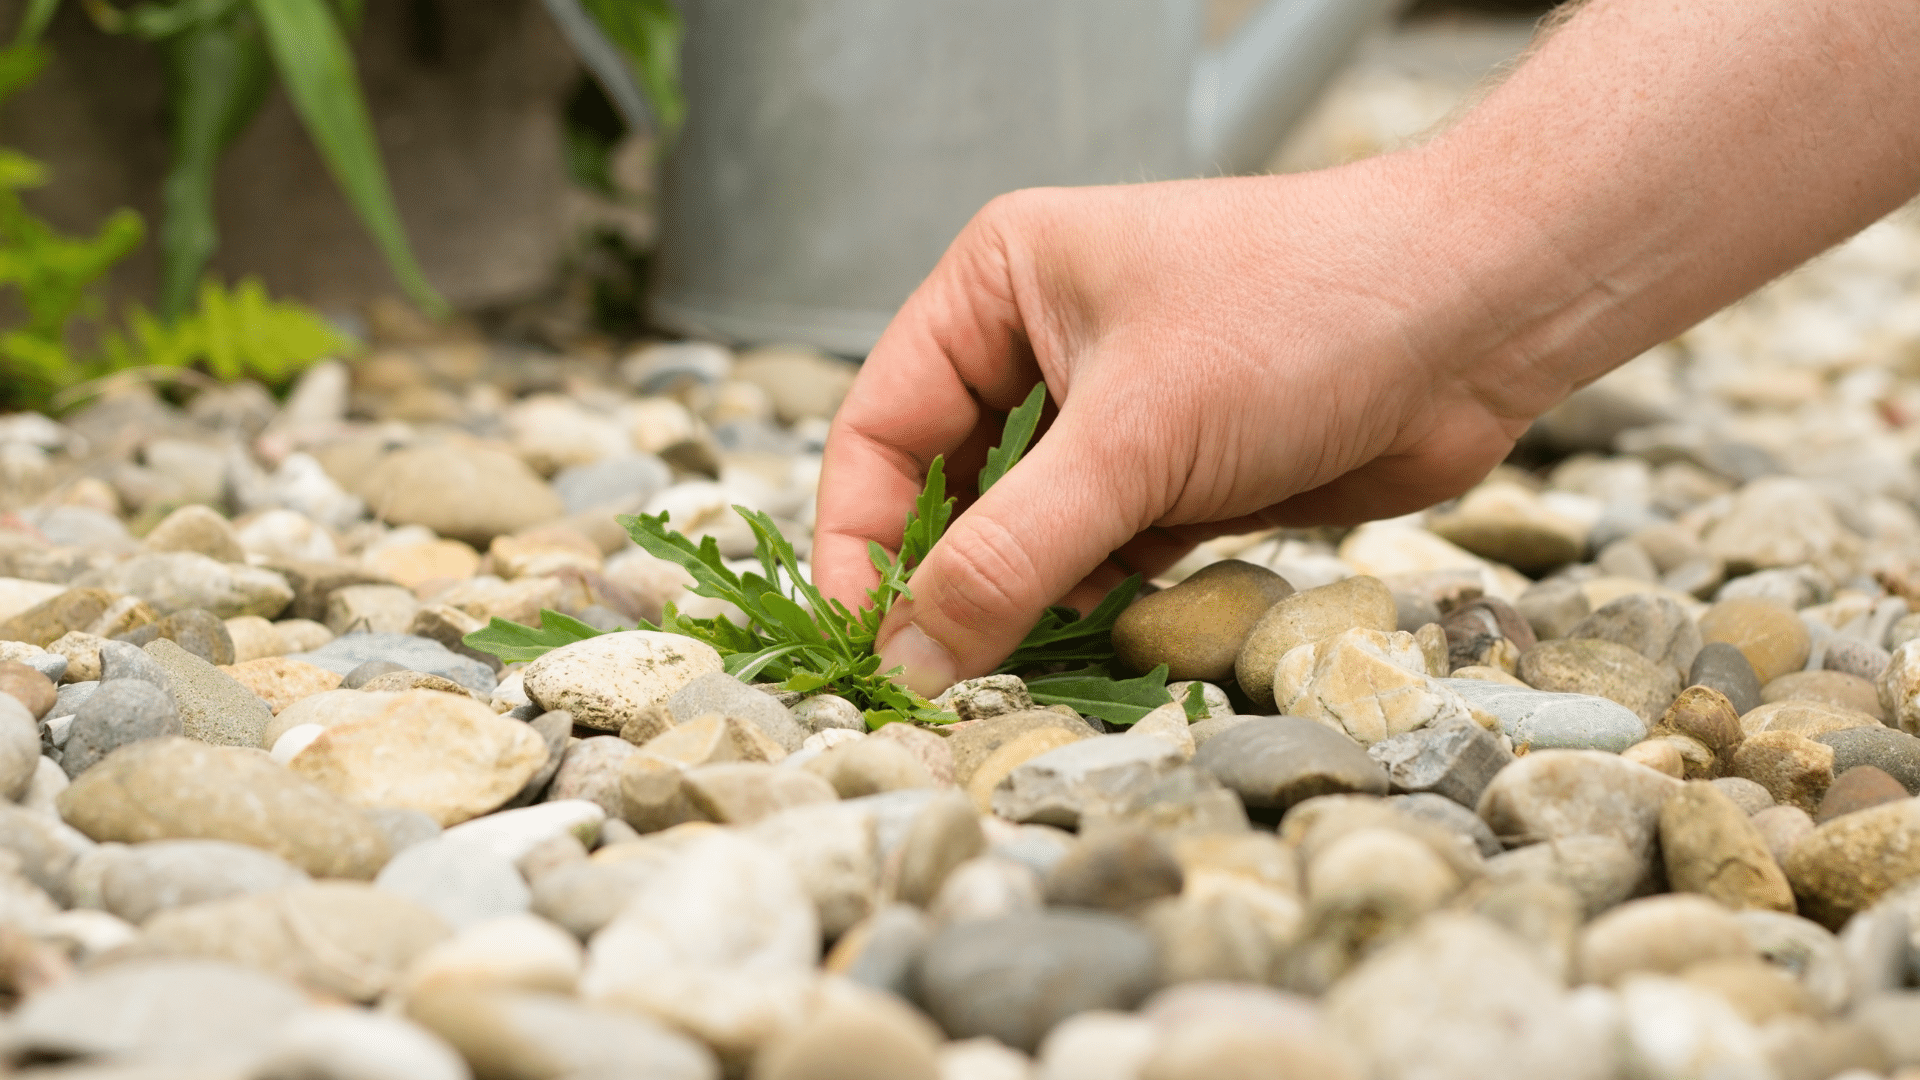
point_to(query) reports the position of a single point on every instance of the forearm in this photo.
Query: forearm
(1653, 161)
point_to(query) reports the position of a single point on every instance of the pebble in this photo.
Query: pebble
(1857, 789)
(834, 850)
(82, 651)
(604, 681)
(717, 692)
(1599, 871)
(280, 681)
(590, 770)
(1836, 688)
(120, 712)
(1663, 934)
(1014, 978)
(1359, 602)
(174, 788)
(944, 834)
(198, 631)
(338, 937)
(1275, 762)
(1451, 815)
(1656, 627)
(354, 1044)
(974, 742)
(1064, 783)
(1602, 669)
(1724, 668)
(138, 881)
(1807, 718)
(1539, 720)
(1419, 1007)
(1116, 869)
(1199, 626)
(1553, 794)
(855, 1034)
(28, 686)
(1850, 861)
(1769, 635)
(50, 619)
(1370, 684)
(1896, 752)
(447, 756)
(511, 834)
(376, 609)
(459, 490)
(828, 712)
(203, 1017)
(213, 707)
(986, 697)
(19, 749)
(1750, 797)
(347, 652)
(181, 580)
(1712, 848)
(532, 1036)
(1794, 769)
(1672, 1029)
(1781, 827)
(464, 883)
(870, 766)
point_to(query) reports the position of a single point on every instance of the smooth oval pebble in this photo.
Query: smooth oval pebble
(1770, 636)
(1358, 603)
(1198, 627)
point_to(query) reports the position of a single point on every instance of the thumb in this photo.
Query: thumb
(1040, 530)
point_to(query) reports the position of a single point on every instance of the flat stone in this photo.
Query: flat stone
(1852, 860)
(1182, 801)
(740, 793)
(180, 580)
(172, 788)
(205, 1017)
(1451, 815)
(120, 712)
(1058, 786)
(1711, 847)
(1602, 669)
(349, 651)
(460, 490)
(356, 1044)
(973, 742)
(447, 756)
(1422, 1007)
(376, 609)
(500, 1032)
(280, 681)
(1794, 769)
(1656, 627)
(463, 883)
(1663, 934)
(396, 681)
(718, 692)
(213, 707)
(50, 619)
(1359, 602)
(138, 881)
(1896, 752)
(1770, 636)
(1836, 688)
(511, 834)
(1857, 789)
(1807, 718)
(603, 681)
(344, 938)
(1275, 762)
(1554, 794)
(1198, 627)
(1014, 978)
(1539, 720)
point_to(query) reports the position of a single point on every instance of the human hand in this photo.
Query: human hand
(1226, 355)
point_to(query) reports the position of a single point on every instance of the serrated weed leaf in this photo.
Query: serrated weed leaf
(1022, 422)
(512, 642)
(1062, 636)
(1195, 703)
(928, 521)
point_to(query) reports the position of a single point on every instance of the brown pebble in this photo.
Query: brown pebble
(1658, 755)
(1856, 789)
(1794, 769)
(31, 688)
(1771, 636)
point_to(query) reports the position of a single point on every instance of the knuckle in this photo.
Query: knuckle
(983, 571)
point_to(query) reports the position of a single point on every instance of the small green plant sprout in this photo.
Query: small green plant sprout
(809, 644)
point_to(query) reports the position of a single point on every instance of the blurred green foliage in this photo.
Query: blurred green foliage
(232, 333)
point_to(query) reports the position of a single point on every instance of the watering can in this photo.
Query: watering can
(833, 148)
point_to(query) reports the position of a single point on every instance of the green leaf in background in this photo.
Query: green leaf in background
(1014, 437)
(1062, 636)
(1094, 692)
(648, 32)
(317, 70)
(218, 76)
(512, 642)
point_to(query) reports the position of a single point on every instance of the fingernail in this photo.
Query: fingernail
(927, 668)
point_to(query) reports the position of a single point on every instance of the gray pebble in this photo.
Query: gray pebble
(119, 660)
(367, 672)
(1726, 669)
(1895, 752)
(403, 828)
(1746, 794)
(1456, 761)
(463, 883)
(1448, 814)
(349, 651)
(120, 712)
(1276, 761)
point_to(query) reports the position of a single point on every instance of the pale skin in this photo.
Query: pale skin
(1365, 341)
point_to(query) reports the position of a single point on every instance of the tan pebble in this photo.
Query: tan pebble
(1658, 755)
(1769, 635)
(280, 682)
